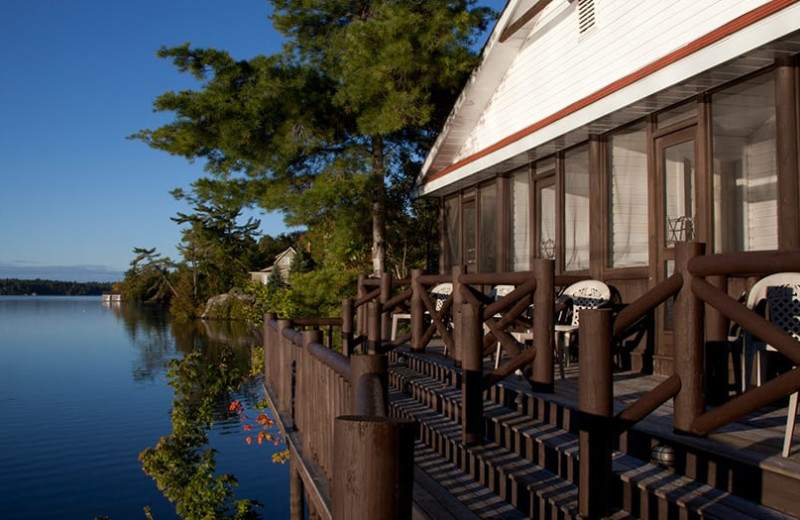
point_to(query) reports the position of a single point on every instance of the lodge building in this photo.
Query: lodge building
(599, 133)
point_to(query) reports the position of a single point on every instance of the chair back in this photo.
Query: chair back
(782, 293)
(440, 293)
(587, 294)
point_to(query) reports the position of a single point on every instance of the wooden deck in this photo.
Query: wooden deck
(754, 441)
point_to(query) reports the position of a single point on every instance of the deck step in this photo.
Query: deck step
(533, 491)
(541, 459)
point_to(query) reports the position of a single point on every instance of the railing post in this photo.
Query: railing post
(472, 423)
(595, 394)
(417, 311)
(385, 296)
(284, 360)
(361, 312)
(688, 341)
(457, 301)
(305, 402)
(269, 350)
(373, 468)
(543, 320)
(373, 327)
(366, 365)
(296, 501)
(347, 327)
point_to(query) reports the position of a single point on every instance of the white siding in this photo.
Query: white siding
(556, 68)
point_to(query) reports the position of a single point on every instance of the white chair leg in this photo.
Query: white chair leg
(791, 418)
(395, 319)
(497, 355)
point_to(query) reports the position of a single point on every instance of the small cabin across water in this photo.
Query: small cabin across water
(600, 133)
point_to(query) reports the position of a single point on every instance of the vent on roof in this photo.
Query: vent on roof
(586, 16)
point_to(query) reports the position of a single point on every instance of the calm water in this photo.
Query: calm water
(83, 390)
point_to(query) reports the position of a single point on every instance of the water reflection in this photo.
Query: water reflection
(207, 363)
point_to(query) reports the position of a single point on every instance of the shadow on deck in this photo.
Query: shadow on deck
(527, 466)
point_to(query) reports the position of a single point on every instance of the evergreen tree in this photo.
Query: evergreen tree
(319, 131)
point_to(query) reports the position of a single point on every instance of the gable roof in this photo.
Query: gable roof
(748, 41)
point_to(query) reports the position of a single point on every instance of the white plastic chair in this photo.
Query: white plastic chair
(781, 292)
(586, 294)
(438, 295)
(497, 292)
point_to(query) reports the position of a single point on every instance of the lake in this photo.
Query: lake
(84, 390)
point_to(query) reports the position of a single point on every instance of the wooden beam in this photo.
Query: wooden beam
(526, 17)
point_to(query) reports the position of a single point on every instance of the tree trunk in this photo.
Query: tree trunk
(378, 208)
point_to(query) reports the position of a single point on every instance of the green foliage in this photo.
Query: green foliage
(148, 279)
(182, 463)
(15, 286)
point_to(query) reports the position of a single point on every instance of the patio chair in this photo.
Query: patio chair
(780, 293)
(586, 294)
(438, 295)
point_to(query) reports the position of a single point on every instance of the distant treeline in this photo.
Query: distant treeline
(14, 286)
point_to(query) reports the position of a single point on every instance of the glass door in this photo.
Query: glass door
(676, 217)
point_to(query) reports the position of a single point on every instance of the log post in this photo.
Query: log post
(361, 312)
(296, 501)
(595, 394)
(347, 327)
(472, 423)
(373, 327)
(369, 365)
(543, 324)
(457, 301)
(269, 349)
(373, 468)
(688, 342)
(284, 360)
(385, 296)
(417, 311)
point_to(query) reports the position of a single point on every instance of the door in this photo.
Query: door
(676, 212)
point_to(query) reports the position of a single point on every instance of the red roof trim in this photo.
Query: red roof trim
(724, 31)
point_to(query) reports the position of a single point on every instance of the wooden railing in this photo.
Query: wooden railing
(699, 282)
(349, 460)
(316, 387)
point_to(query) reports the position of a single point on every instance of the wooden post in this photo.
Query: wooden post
(373, 327)
(296, 500)
(269, 349)
(457, 301)
(364, 365)
(284, 368)
(595, 393)
(417, 311)
(373, 468)
(303, 393)
(472, 423)
(543, 324)
(347, 327)
(688, 341)
(361, 312)
(385, 296)
(787, 153)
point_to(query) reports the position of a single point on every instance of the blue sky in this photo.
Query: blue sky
(78, 77)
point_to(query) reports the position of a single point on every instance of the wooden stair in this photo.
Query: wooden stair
(530, 456)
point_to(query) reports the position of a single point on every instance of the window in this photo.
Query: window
(487, 262)
(744, 166)
(452, 232)
(628, 233)
(519, 221)
(576, 209)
